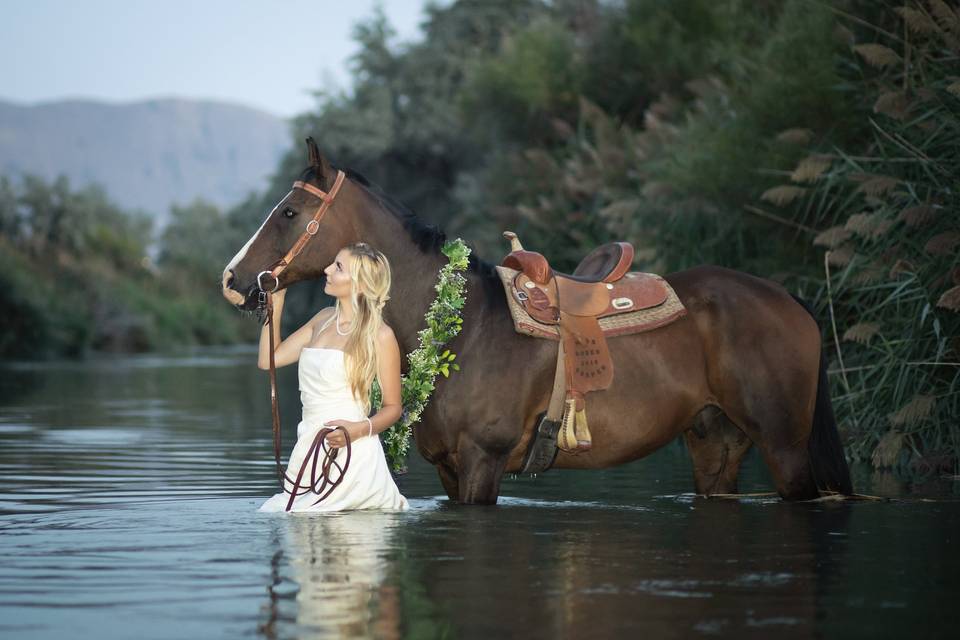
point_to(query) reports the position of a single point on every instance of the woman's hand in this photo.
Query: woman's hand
(336, 440)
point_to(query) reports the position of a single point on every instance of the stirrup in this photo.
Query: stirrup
(574, 436)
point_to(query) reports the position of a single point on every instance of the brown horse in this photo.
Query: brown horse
(744, 366)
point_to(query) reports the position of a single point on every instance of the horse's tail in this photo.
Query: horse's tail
(827, 460)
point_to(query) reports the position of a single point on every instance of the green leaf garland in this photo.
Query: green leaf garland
(444, 321)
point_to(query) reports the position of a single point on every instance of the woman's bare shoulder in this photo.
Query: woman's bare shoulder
(385, 332)
(322, 315)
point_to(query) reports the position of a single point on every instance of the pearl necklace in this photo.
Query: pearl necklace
(338, 325)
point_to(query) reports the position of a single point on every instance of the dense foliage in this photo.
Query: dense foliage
(76, 277)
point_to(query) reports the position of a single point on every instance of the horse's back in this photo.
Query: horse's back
(710, 283)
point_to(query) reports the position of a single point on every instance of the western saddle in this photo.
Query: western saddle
(600, 298)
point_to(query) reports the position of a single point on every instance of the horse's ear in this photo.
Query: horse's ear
(313, 154)
(319, 164)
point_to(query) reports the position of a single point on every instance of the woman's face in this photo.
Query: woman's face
(338, 276)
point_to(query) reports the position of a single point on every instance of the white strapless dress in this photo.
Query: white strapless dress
(325, 394)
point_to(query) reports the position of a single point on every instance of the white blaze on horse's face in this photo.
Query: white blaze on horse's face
(229, 293)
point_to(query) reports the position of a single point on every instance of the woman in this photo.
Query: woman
(341, 350)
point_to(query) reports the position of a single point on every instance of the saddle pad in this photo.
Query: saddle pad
(616, 325)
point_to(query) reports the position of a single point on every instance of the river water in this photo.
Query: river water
(128, 495)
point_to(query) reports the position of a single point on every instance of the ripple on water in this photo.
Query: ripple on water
(510, 501)
(762, 579)
(96, 436)
(672, 588)
(13, 429)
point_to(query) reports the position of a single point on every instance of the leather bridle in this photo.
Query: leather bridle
(266, 299)
(311, 229)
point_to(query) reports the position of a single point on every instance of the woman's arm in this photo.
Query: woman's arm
(388, 373)
(391, 408)
(287, 351)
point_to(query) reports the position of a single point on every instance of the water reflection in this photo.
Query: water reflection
(336, 568)
(587, 571)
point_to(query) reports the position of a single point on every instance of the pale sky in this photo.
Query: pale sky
(266, 54)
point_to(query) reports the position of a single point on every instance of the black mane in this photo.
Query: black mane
(429, 238)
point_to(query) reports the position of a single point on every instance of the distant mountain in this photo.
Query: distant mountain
(148, 154)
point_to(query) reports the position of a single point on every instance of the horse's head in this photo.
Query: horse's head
(289, 246)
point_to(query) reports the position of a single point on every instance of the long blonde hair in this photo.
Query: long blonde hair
(369, 292)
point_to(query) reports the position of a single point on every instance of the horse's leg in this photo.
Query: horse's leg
(762, 352)
(449, 480)
(784, 428)
(479, 472)
(790, 468)
(717, 447)
(779, 421)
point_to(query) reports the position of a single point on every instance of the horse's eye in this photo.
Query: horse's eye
(289, 213)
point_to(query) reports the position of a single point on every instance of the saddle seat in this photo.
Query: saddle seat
(606, 263)
(599, 288)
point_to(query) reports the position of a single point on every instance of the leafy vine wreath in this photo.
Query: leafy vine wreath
(426, 361)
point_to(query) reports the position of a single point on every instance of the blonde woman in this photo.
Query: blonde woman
(341, 350)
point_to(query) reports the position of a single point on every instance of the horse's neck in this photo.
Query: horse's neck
(413, 272)
(405, 312)
(411, 293)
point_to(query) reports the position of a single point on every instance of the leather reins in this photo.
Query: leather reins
(266, 299)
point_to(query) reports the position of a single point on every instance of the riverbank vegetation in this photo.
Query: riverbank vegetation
(75, 276)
